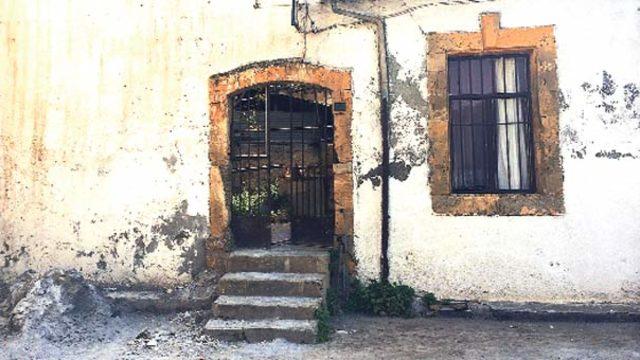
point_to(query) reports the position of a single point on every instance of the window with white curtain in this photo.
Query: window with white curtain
(490, 124)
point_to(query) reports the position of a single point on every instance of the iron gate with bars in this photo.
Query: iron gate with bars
(282, 156)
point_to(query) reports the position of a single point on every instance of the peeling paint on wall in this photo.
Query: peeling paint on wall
(563, 101)
(501, 258)
(631, 94)
(177, 229)
(11, 256)
(171, 162)
(409, 111)
(613, 154)
(104, 150)
(398, 170)
(606, 120)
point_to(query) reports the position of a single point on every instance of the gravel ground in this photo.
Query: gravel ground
(148, 336)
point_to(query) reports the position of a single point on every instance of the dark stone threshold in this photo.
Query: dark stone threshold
(576, 312)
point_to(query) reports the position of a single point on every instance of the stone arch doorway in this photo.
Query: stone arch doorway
(224, 89)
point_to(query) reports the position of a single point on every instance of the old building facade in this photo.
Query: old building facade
(117, 156)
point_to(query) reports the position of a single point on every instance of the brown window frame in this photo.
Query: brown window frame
(539, 44)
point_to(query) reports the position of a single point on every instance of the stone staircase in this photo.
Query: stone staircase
(269, 294)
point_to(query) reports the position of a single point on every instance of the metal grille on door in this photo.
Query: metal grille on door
(282, 156)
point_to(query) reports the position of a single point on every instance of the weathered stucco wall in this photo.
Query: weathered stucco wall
(590, 253)
(105, 128)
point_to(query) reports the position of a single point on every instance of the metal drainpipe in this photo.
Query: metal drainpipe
(385, 115)
(383, 83)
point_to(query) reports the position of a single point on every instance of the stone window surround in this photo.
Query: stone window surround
(221, 87)
(539, 43)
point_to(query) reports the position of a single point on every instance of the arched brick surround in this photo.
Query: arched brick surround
(223, 85)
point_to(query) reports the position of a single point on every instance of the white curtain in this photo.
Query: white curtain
(512, 145)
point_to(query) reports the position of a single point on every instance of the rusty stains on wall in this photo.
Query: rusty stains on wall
(97, 92)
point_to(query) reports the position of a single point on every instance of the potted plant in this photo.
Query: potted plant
(250, 218)
(253, 211)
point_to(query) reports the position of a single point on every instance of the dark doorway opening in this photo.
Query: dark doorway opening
(282, 157)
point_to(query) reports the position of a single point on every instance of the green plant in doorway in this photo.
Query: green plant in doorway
(255, 202)
(249, 202)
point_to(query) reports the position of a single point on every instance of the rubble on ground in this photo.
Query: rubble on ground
(55, 305)
(16, 291)
(182, 331)
(61, 305)
(4, 290)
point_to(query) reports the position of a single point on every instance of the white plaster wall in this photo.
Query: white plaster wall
(592, 253)
(104, 126)
(354, 47)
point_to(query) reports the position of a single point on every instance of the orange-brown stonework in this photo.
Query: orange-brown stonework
(221, 86)
(539, 43)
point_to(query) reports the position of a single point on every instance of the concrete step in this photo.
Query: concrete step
(280, 260)
(264, 307)
(296, 331)
(273, 284)
(158, 300)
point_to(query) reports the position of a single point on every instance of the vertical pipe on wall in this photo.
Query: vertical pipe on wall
(267, 140)
(294, 17)
(383, 82)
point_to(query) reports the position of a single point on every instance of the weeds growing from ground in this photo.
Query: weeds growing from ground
(381, 298)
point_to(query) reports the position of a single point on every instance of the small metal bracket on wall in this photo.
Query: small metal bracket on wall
(340, 106)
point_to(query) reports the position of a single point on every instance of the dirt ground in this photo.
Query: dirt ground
(148, 336)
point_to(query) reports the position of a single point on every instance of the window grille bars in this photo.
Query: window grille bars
(491, 137)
